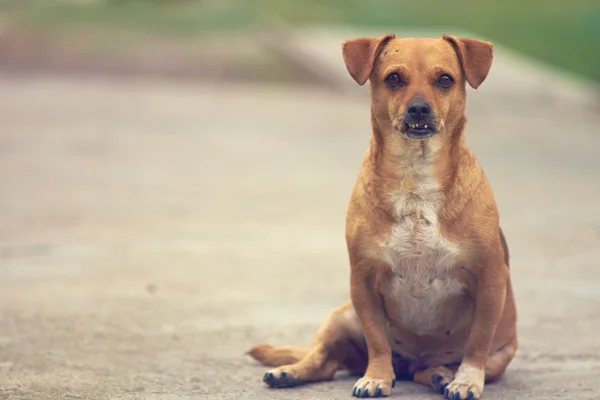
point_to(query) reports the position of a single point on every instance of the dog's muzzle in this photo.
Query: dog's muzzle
(418, 120)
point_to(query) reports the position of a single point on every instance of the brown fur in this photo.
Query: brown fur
(429, 263)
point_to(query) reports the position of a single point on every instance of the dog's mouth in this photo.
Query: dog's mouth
(417, 130)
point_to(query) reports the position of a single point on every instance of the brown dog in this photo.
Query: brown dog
(430, 285)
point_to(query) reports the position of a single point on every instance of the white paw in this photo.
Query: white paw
(368, 387)
(467, 384)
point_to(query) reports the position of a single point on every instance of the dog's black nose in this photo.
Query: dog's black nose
(419, 110)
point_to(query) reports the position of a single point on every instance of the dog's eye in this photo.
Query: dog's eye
(445, 81)
(393, 80)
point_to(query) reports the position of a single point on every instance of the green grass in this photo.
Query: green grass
(562, 33)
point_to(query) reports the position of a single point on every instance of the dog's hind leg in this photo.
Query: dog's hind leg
(338, 345)
(498, 361)
(277, 356)
(436, 377)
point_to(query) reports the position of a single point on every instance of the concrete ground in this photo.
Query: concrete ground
(150, 232)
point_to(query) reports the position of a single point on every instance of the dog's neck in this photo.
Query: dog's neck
(404, 163)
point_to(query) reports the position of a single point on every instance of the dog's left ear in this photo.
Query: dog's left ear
(476, 57)
(359, 56)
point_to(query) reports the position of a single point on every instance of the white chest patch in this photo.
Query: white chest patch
(420, 258)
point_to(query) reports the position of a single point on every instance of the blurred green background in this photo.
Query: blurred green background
(565, 34)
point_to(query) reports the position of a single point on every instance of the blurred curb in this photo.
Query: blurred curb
(212, 57)
(291, 44)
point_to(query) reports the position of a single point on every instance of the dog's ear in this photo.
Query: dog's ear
(359, 56)
(476, 57)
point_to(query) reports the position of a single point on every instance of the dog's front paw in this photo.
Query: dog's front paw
(467, 385)
(369, 387)
(281, 377)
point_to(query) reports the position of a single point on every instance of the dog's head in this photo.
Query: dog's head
(418, 85)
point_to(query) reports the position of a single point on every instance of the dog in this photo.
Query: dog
(431, 294)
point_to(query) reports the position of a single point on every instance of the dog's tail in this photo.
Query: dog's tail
(277, 356)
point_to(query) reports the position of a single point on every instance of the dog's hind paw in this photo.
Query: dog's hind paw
(278, 378)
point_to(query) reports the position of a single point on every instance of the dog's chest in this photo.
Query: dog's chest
(421, 288)
(416, 237)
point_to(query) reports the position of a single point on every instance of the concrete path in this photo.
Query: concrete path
(151, 232)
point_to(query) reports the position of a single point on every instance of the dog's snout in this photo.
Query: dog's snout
(419, 110)
(419, 119)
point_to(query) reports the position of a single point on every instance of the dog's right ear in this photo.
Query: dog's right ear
(359, 56)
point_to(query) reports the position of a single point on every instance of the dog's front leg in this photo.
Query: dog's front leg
(368, 303)
(489, 304)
